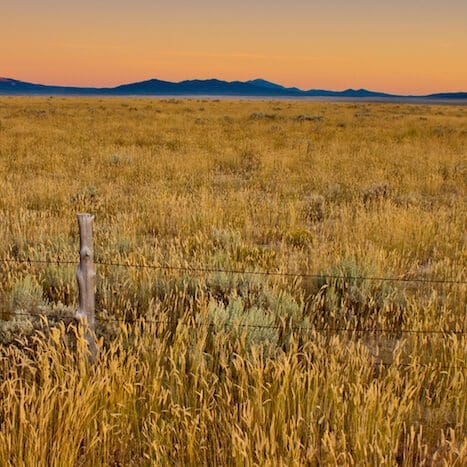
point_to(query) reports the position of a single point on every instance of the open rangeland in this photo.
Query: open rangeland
(205, 367)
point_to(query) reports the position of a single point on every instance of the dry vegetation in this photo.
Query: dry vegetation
(341, 189)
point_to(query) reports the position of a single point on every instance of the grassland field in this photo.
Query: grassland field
(220, 375)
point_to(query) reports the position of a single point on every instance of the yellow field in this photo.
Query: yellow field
(221, 375)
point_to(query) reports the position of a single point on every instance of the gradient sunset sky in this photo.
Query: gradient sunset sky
(404, 46)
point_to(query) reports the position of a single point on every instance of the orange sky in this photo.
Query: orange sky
(410, 46)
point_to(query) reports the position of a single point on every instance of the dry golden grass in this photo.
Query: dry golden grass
(341, 189)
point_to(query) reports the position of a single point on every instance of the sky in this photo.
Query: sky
(403, 46)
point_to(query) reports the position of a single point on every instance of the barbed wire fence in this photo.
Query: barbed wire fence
(88, 318)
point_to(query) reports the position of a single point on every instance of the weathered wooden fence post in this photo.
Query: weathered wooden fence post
(86, 277)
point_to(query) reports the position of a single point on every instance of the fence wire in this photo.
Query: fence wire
(310, 329)
(208, 270)
(434, 365)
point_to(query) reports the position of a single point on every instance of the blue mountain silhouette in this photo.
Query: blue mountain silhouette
(208, 87)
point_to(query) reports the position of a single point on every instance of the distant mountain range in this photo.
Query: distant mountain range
(208, 87)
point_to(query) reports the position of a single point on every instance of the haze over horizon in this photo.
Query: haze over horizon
(396, 48)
